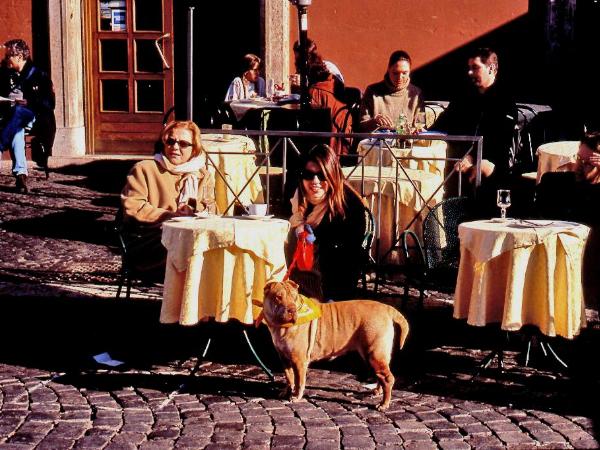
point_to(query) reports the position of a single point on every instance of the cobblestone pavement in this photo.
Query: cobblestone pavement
(57, 283)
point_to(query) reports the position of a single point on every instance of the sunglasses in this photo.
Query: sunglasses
(308, 175)
(182, 144)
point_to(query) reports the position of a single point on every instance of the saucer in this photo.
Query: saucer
(501, 220)
(182, 218)
(253, 217)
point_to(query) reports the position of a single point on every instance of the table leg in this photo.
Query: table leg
(257, 358)
(543, 343)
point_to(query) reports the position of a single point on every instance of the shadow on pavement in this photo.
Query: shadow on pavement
(61, 335)
(100, 176)
(70, 224)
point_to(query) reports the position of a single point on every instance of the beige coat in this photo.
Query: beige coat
(150, 195)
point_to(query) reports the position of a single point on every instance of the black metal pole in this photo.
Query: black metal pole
(303, 30)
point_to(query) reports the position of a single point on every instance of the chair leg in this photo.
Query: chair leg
(122, 279)
(128, 293)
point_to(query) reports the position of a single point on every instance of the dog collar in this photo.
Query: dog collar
(308, 309)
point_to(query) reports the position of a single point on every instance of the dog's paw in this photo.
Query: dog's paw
(295, 399)
(377, 391)
(382, 407)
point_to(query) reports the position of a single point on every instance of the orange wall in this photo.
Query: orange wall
(359, 35)
(15, 21)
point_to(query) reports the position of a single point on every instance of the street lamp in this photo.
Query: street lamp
(302, 6)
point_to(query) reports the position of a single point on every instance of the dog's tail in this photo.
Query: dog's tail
(403, 323)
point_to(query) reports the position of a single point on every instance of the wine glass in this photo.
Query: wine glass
(420, 121)
(503, 201)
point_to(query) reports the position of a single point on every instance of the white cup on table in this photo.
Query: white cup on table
(257, 209)
(226, 127)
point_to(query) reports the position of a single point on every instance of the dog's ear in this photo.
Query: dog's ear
(291, 283)
(268, 286)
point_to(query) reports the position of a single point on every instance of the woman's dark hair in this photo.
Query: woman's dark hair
(323, 156)
(317, 70)
(249, 62)
(592, 140)
(398, 55)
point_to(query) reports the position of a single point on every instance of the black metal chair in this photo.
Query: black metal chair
(434, 261)
(125, 274)
(128, 239)
(368, 262)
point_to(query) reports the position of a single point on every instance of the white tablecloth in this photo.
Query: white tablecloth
(516, 273)
(216, 266)
(371, 148)
(237, 169)
(395, 218)
(553, 156)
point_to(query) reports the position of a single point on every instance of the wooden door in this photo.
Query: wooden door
(129, 86)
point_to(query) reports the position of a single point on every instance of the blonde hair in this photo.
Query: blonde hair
(197, 148)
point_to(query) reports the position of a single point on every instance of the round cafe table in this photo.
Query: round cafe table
(553, 156)
(216, 266)
(517, 272)
(420, 150)
(233, 157)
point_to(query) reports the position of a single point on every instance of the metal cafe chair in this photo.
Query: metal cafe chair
(435, 259)
(368, 262)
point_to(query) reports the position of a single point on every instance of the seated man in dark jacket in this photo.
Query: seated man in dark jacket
(33, 95)
(484, 109)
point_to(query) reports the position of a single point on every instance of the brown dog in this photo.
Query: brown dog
(362, 325)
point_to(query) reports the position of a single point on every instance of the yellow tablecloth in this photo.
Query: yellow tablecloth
(217, 265)
(553, 155)
(517, 274)
(372, 147)
(394, 220)
(237, 169)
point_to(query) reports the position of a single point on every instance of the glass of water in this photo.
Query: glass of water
(420, 121)
(503, 201)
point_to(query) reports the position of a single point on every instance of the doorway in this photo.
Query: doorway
(129, 84)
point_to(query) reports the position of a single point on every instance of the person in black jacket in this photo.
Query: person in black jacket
(336, 214)
(33, 101)
(486, 108)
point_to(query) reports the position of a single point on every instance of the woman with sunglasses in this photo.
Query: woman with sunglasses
(174, 183)
(336, 214)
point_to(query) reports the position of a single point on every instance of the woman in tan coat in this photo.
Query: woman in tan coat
(174, 183)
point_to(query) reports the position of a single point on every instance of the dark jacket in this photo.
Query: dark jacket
(338, 252)
(37, 89)
(492, 115)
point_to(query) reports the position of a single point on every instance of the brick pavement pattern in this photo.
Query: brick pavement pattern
(58, 269)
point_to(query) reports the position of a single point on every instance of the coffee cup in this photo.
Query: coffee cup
(257, 209)
(226, 127)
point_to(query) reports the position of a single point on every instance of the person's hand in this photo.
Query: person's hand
(21, 101)
(383, 121)
(295, 79)
(594, 159)
(465, 164)
(487, 168)
(184, 210)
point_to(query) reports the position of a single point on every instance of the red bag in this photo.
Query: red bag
(304, 254)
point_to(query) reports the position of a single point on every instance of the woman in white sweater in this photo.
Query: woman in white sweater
(249, 84)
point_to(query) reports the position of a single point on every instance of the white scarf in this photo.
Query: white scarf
(189, 169)
(314, 218)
